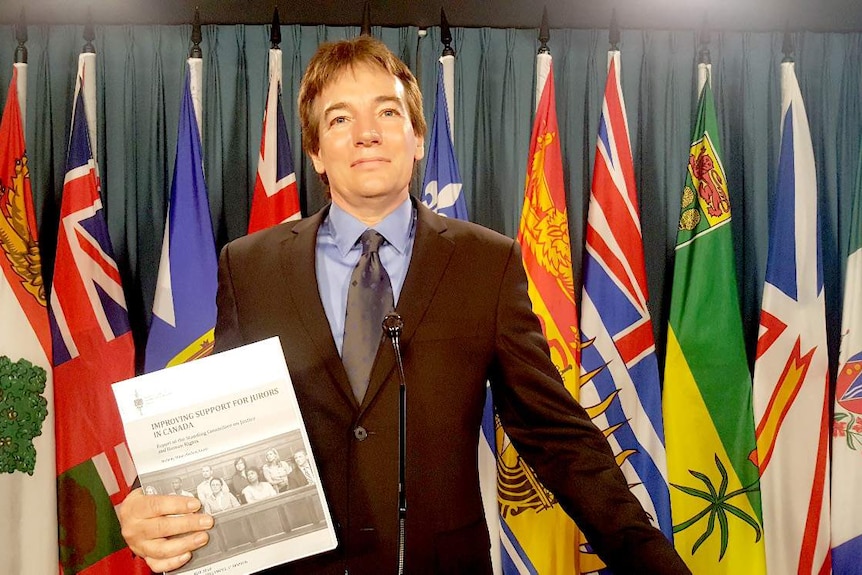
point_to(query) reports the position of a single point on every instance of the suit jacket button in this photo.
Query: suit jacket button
(360, 433)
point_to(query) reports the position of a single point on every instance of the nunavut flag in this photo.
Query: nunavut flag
(184, 310)
(93, 348)
(538, 536)
(28, 476)
(709, 425)
(275, 198)
(847, 421)
(791, 379)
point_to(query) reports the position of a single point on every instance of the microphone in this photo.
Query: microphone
(392, 326)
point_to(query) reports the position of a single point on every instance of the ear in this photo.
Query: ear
(317, 161)
(420, 149)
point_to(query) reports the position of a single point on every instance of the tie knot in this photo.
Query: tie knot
(370, 240)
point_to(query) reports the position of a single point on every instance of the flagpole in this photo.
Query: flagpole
(196, 65)
(21, 67)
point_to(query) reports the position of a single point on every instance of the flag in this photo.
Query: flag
(538, 536)
(791, 387)
(618, 348)
(28, 474)
(847, 421)
(709, 423)
(275, 198)
(441, 171)
(442, 186)
(92, 348)
(184, 310)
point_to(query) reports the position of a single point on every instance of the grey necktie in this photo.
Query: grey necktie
(369, 299)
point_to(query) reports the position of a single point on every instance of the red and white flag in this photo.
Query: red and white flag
(28, 498)
(276, 198)
(93, 348)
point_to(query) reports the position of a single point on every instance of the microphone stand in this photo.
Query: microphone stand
(392, 326)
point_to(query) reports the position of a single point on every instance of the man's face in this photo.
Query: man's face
(176, 484)
(300, 458)
(207, 472)
(367, 143)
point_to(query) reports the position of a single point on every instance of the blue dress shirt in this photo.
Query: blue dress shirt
(338, 251)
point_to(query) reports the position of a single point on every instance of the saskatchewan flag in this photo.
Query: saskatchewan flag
(709, 424)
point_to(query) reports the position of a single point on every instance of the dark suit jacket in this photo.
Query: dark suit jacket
(467, 318)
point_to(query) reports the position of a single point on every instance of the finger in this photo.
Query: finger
(167, 526)
(176, 550)
(138, 506)
(165, 565)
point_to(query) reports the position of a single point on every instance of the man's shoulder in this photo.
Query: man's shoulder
(462, 231)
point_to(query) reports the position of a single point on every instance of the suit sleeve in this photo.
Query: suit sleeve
(555, 436)
(227, 331)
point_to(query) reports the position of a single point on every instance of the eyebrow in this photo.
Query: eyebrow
(377, 101)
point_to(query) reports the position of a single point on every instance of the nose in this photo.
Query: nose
(366, 134)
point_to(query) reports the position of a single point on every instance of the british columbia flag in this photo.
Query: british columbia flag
(618, 355)
(92, 349)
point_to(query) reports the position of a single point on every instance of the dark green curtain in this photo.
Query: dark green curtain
(140, 74)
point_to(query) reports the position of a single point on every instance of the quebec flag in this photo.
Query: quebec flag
(184, 310)
(442, 187)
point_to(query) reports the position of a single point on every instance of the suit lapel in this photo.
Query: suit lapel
(298, 263)
(431, 254)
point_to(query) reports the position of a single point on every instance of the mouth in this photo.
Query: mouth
(368, 161)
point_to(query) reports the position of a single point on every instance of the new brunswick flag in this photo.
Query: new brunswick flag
(709, 425)
(847, 422)
(538, 536)
(93, 348)
(791, 379)
(28, 476)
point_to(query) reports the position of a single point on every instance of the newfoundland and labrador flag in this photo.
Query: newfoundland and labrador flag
(276, 198)
(537, 535)
(618, 361)
(184, 310)
(93, 348)
(709, 426)
(791, 379)
(847, 422)
(28, 475)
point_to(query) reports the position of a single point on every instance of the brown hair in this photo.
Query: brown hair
(330, 60)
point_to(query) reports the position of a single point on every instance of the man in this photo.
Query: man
(204, 490)
(301, 474)
(177, 488)
(462, 293)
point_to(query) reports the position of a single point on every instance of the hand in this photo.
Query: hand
(163, 529)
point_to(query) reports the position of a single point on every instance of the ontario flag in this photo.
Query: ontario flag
(709, 423)
(184, 310)
(275, 198)
(93, 348)
(791, 387)
(619, 371)
(538, 536)
(847, 421)
(28, 475)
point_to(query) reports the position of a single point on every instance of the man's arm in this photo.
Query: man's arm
(556, 438)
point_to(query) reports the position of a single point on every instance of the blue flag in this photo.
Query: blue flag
(184, 311)
(442, 187)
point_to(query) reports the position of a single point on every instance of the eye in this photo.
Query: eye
(390, 113)
(338, 120)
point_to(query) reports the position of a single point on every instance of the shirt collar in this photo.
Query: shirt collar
(397, 227)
